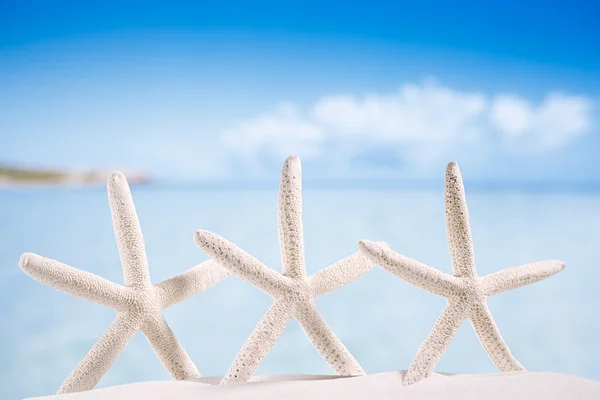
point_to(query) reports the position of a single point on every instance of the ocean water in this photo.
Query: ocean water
(553, 325)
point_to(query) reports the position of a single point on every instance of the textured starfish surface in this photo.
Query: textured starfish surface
(465, 291)
(293, 291)
(138, 303)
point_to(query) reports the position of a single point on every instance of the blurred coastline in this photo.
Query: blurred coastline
(16, 176)
(12, 177)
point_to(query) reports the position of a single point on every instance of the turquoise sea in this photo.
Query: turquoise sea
(553, 325)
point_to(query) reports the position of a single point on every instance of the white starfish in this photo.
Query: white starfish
(465, 291)
(139, 304)
(293, 292)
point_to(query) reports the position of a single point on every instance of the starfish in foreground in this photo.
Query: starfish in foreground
(293, 292)
(465, 291)
(139, 304)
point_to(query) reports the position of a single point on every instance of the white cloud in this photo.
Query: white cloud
(414, 114)
(511, 115)
(556, 121)
(281, 131)
(421, 123)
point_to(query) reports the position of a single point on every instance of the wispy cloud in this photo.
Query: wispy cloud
(419, 124)
(554, 122)
(282, 131)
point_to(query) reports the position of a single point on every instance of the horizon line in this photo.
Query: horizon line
(478, 186)
(377, 184)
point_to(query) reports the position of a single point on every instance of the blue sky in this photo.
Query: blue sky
(373, 90)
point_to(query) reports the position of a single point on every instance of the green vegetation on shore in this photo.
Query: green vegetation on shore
(30, 175)
(10, 175)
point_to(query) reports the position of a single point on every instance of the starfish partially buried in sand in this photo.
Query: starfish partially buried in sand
(293, 292)
(465, 291)
(139, 304)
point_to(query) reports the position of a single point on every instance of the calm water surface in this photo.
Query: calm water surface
(553, 325)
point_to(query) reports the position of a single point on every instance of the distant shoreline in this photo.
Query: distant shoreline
(19, 177)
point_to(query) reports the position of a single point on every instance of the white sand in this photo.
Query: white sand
(388, 385)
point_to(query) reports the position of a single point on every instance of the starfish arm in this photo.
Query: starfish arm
(168, 349)
(242, 264)
(260, 342)
(74, 281)
(127, 231)
(104, 353)
(516, 277)
(290, 219)
(412, 271)
(492, 340)
(191, 282)
(436, 343)
(326, 342)
(341, 273)
(457, 224)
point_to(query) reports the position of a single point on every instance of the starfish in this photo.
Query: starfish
(293, 292)
(465, 291)
(139, 304)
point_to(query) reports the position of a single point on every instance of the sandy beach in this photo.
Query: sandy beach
(388, 385)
